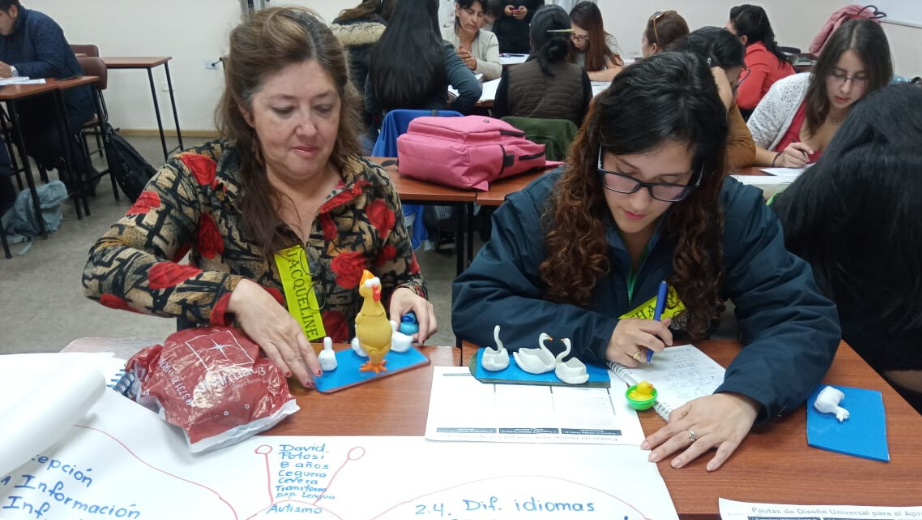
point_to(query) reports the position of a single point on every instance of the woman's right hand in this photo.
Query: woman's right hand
(632, 338)
(509, 10)
(796, 155)
(268, 324)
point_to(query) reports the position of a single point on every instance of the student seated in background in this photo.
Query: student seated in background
(358, 29)
(854, 217)
(477, 48)
(511, 28)
(797, 119)
(725, 53)
(286, 177)
(663, 28)
(33, 45)
(412, 66)
(592, 47)
(492, 10)
(642, 199)
(766, 63)
(546, 86)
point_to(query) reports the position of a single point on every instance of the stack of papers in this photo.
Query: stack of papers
(21, 80)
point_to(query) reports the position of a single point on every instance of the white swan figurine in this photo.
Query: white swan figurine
(827, 401)
(357, 347)
(573, 371)
(400, 342)
(536, 360)
(496, 359)
(327, 357)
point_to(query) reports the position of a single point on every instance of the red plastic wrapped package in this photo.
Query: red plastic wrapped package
(212, 383)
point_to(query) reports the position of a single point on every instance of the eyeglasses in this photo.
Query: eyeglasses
(578, 38)
(744, 73)
(656, 16)
(840, 79)
(664, 191)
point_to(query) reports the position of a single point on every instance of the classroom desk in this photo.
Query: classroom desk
(148, 63)
(421, 192)
(503, 187)
(11, 95)
(774, 463)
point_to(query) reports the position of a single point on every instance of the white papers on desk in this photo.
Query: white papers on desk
(489, 90)
(733, 510)
(763, 180)
(512, 59)
(791, 173)
(21, 80)
(599, 86)
(461, 408)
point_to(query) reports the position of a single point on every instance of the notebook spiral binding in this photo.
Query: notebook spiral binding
(122, 382)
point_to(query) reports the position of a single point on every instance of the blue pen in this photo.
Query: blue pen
(658, 310)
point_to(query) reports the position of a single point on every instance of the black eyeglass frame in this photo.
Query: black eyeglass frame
(686, 188)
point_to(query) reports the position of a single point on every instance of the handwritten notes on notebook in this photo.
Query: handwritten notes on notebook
(679, 374)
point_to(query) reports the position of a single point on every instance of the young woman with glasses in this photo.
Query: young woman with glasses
(798, 117)
(592, 47)
(766, 62)
(855, 218)
(581, 251)
(663, 28)
(725, 54)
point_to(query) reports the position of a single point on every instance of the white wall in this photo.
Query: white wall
(193, 31)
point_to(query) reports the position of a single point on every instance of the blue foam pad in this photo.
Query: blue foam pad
(863, 434)
(598, 376)
(347, 370)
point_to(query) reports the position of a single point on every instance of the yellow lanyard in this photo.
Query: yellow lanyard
(645, 310)
(298, 286)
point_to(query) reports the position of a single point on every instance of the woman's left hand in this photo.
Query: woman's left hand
(467, 58)
(405, 300)
(521, 13)
(718, 421)
(724, 88)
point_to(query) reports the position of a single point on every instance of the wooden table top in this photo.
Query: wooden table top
(499, 189)
(135, 62)
(774, 463)
(65, 84)
(412, 190)
(20, 91)
(752, 170)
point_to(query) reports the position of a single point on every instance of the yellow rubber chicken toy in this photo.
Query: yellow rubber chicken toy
(372, 328)
(643, 392)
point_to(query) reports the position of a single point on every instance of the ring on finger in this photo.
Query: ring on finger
(638, 356)
(692, 436)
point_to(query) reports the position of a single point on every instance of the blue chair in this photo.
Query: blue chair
(395, 123)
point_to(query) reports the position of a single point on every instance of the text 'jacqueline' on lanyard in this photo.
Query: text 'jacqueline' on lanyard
(298, 286)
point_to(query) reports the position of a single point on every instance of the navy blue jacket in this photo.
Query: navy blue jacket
(38, 49)
(790, 331)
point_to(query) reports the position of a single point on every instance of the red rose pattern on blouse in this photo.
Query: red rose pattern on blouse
(191, 207)
(147, 201)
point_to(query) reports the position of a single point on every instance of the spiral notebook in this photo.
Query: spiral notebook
(679, 374)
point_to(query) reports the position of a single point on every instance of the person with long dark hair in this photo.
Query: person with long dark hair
(512, 27)
(592, 47)
(854, 217)
(766, 63)
(725, 53)
(663, 28)
(412, 66)
(546, 86)
(799, 116)
(285, 185)
(643, 198)
(477, 47)
(358, 29)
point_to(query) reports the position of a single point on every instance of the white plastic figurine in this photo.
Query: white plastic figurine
(536, 360)
(573, 371)
(827, 401)
(496, 359)
(357, 347)
(400, 342)
(327, 357)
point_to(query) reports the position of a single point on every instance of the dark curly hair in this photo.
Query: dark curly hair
(667, 97)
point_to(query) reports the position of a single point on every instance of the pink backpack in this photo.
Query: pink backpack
(466, 152)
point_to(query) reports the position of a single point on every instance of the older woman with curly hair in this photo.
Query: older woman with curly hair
(581, 252)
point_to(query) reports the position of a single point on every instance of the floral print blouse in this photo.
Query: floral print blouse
(189, 207)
